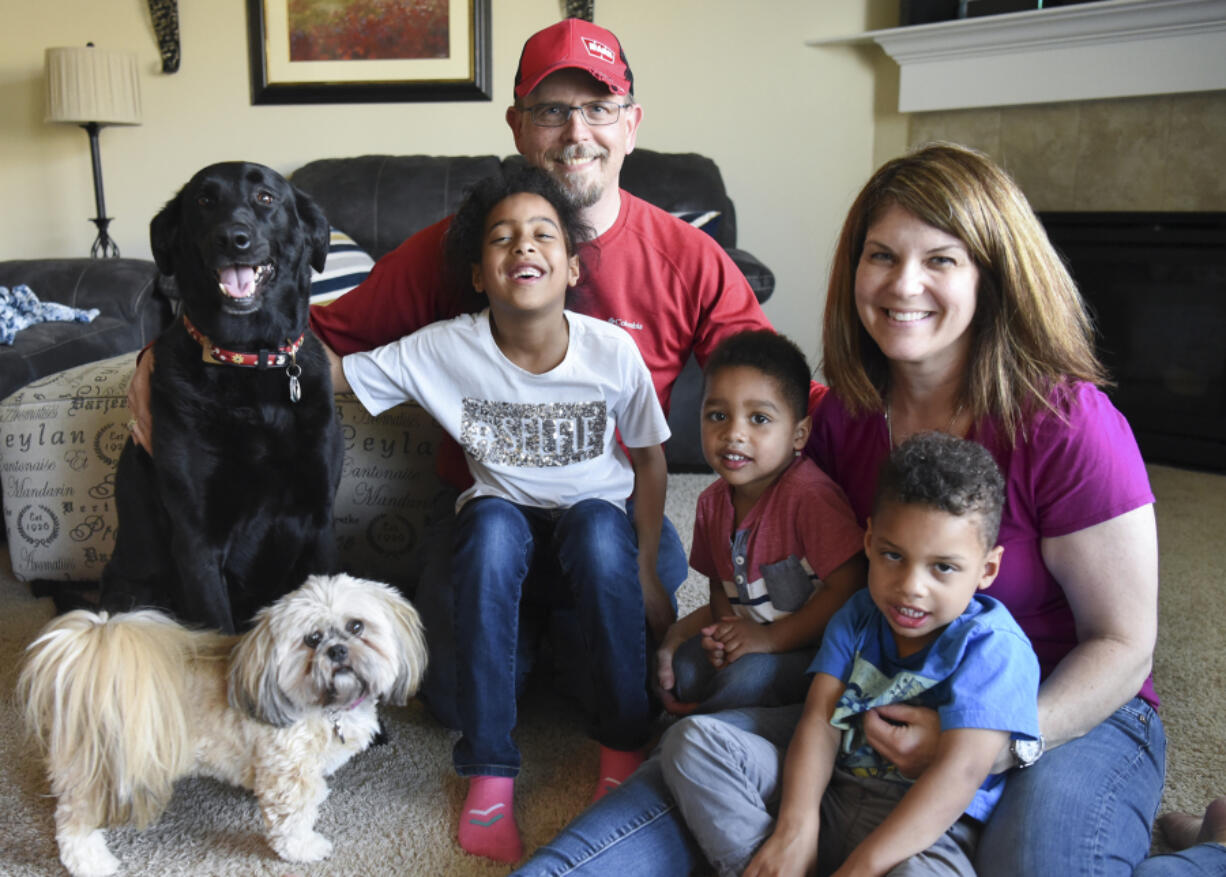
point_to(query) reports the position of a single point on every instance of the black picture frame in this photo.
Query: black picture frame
(476, 86)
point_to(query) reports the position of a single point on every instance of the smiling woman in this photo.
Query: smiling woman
(948, 309)
(915, 291)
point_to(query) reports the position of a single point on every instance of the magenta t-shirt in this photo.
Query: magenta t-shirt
(1064, 477)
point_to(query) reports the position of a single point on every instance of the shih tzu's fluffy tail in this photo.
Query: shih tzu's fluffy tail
(105, 698)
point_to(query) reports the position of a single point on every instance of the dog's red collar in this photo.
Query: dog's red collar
(261, 359)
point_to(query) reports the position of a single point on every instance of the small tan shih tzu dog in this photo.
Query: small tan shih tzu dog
(126, 705)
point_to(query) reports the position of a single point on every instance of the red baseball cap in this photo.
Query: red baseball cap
(573, 42)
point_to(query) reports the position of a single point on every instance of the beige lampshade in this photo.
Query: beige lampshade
(88, 84)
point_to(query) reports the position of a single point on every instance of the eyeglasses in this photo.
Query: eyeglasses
(555, 115)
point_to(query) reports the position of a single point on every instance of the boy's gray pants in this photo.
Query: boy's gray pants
(726, 773)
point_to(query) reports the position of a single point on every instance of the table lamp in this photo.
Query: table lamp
(93, 87)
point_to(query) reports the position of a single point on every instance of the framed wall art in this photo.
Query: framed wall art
(368, 51)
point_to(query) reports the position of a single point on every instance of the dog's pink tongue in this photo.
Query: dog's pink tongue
(238, 281)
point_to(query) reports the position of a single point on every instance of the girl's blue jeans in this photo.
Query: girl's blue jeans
(1086, 808)
(585, 557)
(432, 595)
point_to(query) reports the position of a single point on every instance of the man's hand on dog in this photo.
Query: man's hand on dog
(141, 424)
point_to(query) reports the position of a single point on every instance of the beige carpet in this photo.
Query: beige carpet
(391, 809)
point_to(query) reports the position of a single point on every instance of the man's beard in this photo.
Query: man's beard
(581, 193)
(582, 196)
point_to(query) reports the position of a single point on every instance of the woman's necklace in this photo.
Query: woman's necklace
(949, 427)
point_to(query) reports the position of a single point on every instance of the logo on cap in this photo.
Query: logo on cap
(597, 49)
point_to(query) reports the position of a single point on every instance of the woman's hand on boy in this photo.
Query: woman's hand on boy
(904, 735)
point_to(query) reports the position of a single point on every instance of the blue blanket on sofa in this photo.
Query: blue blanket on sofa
(20, 307)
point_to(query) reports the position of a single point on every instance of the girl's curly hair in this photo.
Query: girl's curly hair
(465, 235)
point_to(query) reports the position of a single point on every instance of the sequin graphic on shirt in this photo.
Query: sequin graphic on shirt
(532, 435)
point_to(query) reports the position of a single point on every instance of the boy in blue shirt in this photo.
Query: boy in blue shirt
(921, 634)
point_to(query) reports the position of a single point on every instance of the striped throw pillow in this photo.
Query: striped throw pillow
(346, 267)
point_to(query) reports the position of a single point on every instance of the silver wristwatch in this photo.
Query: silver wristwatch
(1027, 752)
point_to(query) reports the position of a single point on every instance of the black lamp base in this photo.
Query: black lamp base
(104, 247)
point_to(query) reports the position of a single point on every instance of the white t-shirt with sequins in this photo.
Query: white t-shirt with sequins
(544, 440)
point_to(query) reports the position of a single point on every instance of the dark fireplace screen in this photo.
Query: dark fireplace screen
(1156, 286)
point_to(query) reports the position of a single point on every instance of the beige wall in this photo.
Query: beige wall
(792, 127)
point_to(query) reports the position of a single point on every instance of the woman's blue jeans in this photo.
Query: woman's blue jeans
(585, 556)
(1085, 808)
(1202, 860)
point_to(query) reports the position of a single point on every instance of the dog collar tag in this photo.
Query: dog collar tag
(295, 387)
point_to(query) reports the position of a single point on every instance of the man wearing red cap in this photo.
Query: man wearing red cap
(672, 288)
(669, 285)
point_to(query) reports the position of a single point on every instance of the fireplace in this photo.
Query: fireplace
(1156, 285)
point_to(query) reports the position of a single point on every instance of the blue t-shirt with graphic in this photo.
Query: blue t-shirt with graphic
(981, 672)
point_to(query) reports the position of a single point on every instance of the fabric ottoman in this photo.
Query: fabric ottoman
(60, 440)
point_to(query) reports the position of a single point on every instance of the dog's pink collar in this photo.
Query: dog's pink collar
(261, 359)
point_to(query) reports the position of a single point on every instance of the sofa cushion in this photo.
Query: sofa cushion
(381, 200)
(681, 182)
(347, 265)
(60, 439)
(132, 311)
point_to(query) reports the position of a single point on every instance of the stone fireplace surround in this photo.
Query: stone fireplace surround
(1159, 152)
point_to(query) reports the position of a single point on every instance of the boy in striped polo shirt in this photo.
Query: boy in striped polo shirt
(774, 535)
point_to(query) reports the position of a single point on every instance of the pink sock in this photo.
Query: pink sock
(615, 766)
(487, 822)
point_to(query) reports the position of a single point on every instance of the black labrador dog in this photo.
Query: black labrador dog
(234, 507)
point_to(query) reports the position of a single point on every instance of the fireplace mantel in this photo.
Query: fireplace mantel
(1112, 48)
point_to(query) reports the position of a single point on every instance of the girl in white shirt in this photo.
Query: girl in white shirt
(536, 395)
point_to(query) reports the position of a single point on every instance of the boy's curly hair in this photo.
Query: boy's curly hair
(773, 355)
(943, 472)
(465, 235)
